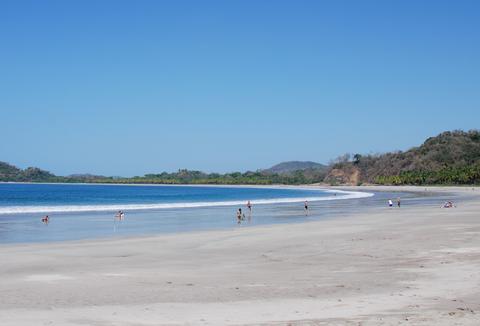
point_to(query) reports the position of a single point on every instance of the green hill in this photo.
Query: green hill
(449, 158)
(11, 173)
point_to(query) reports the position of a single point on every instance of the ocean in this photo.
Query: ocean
(81, 211)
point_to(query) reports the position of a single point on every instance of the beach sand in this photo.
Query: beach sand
(407, 266)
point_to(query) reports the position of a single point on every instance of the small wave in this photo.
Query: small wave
(137, 207)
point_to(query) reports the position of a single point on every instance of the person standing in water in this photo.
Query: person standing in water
(45, 219)
(398, 202)
(306, 207)
(390, 203)
(239, 216)
(249, 206)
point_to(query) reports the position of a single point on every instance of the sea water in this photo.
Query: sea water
(80, 211)
(66, 198)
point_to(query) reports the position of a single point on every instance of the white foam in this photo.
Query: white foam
(342, 195)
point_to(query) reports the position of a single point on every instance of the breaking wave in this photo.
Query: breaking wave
(335, 195)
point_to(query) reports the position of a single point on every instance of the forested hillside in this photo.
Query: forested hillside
(12, 173)
(449, 158)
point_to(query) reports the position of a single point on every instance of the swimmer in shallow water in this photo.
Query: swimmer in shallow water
(448, 204)
(240, 216)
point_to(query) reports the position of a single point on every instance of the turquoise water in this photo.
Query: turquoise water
(87, 211)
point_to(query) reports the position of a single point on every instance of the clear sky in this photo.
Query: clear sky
(131, 87)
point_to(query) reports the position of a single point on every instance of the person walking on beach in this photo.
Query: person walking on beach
(390, 203)
(398, 202)
(306, 207)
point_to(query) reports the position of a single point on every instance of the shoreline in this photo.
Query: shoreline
(380, 267)
(85, 208)
(323, 185)
(233, 227)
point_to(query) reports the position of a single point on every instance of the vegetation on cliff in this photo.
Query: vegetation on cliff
(14, 174)
(449, 158)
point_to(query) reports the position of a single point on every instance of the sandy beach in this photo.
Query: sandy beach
(381, 266)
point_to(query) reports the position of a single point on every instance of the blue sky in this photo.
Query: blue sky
(131, 87)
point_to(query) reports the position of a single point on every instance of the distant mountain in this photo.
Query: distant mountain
(85, 176)
(292, 166)
(452, 157)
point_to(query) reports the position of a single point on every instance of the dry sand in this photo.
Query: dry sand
(408, 266)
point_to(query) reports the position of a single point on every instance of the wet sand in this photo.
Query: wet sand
(408, 266)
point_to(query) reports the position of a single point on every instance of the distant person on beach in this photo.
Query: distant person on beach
(306, 207)
(119, 216)
(45, 219)
(448, 204)
(239, 216)
(249, 206)
(398, 202)
(390, 203)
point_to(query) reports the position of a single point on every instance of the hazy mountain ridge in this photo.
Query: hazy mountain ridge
(292, 166)
(86, 176)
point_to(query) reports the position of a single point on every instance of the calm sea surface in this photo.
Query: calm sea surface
(87, 211)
